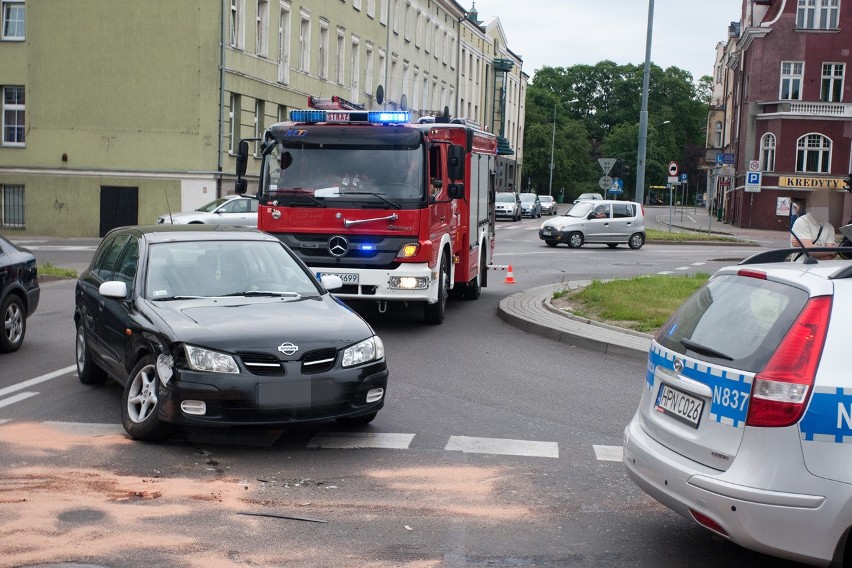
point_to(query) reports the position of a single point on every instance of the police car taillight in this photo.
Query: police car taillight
(780, 392)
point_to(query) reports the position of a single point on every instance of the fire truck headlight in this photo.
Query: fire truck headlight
(409, 283)
(368, 350)
(408, 250)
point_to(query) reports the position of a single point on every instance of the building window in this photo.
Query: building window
(14, 21)
(355, 67)
(767, 152)
(791, 80)
(813, 154)
(418, 30)
(237, 34)
(717, 135)
(305, 43)
(356, 4)
(262, 47)
(234, 117)
(12, 206)
(817, 14)
(832, 82)
(390, 92)
(404, 90)
(409, 22)
(436, 36)
(14, 116)
(382, 72)
(323, 50)
(415, 87)
(284, 45)
(341, 55)
(282, 113)
(258, 126)
(368, 69)
(383, 14)
(371, 8)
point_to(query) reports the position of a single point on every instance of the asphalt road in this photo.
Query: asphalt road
(485, 452)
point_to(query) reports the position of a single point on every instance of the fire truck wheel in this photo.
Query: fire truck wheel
(434, 313)
(474, 287)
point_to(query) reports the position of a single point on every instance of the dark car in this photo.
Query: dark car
(221, 326)
(19, 293)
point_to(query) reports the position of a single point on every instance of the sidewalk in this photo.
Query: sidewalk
(700, 220)
(532, 312)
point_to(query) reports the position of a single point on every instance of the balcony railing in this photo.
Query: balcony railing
(843, 110)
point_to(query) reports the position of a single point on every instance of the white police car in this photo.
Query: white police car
(745, 421)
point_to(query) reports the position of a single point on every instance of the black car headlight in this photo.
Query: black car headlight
(200, 359)
(371, 349)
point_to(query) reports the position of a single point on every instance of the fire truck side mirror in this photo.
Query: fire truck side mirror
(242, 158)
(455, 162)
(455, 191)
(241, 186)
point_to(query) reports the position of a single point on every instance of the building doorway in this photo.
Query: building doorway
(119, 207)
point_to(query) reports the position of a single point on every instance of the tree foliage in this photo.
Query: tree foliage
(604, 122)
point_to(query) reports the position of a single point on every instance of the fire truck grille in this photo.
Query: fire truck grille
(363, 251)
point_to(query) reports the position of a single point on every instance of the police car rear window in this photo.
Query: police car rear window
(743, 318)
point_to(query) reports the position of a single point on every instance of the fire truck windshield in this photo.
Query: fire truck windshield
(344, 176)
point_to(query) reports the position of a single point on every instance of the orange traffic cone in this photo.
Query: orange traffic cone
(510, 276)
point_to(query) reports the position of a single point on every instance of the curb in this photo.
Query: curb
(704, 243)
(528, 312)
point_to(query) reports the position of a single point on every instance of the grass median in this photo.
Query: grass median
(48, 269)
(642, 304)
(656, 235)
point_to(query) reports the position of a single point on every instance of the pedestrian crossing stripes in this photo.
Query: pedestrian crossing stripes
(358, 440)
(609, 453)
(368, 440)
(503, 447)
(37, 380)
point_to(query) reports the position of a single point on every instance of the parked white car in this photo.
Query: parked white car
(745, 420)
(236, 210)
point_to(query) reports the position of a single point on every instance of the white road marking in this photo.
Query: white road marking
(664, 272)
(682, 268)
(609, 453)
(57, 248)
(87, 428)
(17, 398)
(43, 378)
(503, 447)
(691, 219)
(698, 263)
(3, 421)
(356, 440)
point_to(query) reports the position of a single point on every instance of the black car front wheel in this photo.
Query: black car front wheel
(87, 371)
(141, 404)
(14, 324)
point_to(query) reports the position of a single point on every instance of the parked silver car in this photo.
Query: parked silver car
(588, 197)
(530, 205)
(236, 210)
(508, 204)
(548, 205)
(606, 222)
(745, 420)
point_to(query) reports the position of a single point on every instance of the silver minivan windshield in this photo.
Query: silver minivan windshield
(581, 209)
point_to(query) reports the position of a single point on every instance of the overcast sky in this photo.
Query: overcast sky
(560, 33)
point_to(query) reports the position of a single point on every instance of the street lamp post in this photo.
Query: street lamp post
(553, 146)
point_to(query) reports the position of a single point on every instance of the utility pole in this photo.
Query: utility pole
(552, 148)
(643, 115)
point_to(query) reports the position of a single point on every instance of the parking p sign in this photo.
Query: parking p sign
(753, 181)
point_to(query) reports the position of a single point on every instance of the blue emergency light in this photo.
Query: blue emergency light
(367, 247)
(388, 117)
(307, 115)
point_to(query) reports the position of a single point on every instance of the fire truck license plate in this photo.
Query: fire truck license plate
(347, 278)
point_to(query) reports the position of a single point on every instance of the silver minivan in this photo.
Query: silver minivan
(602, 221)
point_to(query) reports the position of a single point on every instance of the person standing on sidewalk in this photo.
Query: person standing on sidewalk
(813, 228)
(794, 213)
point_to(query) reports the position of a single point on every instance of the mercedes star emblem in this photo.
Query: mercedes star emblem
(288, 348)
(338, 246)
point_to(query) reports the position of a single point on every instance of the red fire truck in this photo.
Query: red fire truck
(400, 212)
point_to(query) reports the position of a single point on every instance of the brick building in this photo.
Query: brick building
(785, 102)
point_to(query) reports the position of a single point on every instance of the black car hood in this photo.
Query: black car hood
(260, 325)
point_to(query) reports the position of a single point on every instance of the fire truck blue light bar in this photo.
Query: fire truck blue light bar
(307, 115)
(389, 117)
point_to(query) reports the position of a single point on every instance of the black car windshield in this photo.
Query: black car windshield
(224, 268)
(210, 207)
(376, 177)
(581, 209)
(505, 197)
